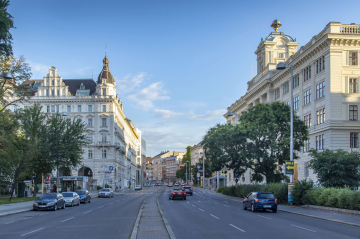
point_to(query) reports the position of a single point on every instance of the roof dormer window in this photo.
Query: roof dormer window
(104, 92)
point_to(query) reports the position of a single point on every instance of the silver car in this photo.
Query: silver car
(106, 192)
(71, 198)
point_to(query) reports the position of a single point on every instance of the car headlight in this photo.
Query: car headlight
(36, 204)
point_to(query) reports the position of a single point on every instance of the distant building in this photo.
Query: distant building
(159, 165)
(326, 81)
(114, 142)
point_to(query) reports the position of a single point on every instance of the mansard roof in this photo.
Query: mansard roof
(74, 85)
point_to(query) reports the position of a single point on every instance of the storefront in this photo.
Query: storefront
(70, 183)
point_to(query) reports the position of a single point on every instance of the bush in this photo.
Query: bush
(98, 187)
(221, 189)
(299, 190)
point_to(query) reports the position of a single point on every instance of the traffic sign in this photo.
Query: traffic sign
(198, 166)
(111, 167)
(289, 167)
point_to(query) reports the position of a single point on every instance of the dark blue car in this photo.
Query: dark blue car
(84, 196)
(260, 200)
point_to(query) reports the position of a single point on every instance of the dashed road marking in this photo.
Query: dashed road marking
(33, 231)
(67, 219)
(214, 216)
(237, 228)
(193, 205)
(226, 206)
(87, 212)
(201, 209)
(302, 228)
(265, 217)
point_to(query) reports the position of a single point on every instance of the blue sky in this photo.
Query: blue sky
(178, 64)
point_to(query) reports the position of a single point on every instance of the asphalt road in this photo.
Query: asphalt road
(102, 218)
(209, 216)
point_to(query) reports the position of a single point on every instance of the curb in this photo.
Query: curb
(15, 212)
(321, 218)
(168, 228)
(136, 226)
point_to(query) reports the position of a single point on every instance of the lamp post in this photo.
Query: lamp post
(7, 76)
(232, 114)
(282, 66)
(103, 154)
(203, 168)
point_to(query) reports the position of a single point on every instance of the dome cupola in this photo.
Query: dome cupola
(105, 74)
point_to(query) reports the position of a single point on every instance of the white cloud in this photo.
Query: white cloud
(39, 70)
(144, 97)
(210, 115)
(166, 113)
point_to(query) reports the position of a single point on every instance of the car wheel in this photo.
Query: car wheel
(184, 198)
(253, 208)
(63, 206)
(78, 203)
(89, 200)
(72, 204)
(55, 207)
(274, 210)
(244, 207)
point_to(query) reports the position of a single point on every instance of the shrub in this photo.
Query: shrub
(221, 189)
(98, 187)
(299, 190)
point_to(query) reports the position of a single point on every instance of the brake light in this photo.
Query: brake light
(257, 200)
(184, 193)
(276, 200)
(182, 189)
(191, 189)
(174, 193)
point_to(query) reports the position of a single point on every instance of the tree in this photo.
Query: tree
(11, 90)
(336, 168)
(181, 172)
(267, 129)
(6, 23)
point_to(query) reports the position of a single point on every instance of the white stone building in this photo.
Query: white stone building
(326, 80)
(110, 157)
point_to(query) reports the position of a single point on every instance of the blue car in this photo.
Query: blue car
(260, 200)
(49, 201)
(84, 196)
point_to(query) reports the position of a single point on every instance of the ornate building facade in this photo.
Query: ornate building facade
(115, 151)
(326, 82)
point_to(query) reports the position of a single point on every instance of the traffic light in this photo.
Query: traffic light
(181, 165)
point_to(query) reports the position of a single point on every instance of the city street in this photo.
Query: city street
(205, 215)
(102, 218)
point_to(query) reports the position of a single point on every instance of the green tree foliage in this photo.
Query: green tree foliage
(267, 129)
(6, 23)
(336, 168)
(181, 172)
(12, 88)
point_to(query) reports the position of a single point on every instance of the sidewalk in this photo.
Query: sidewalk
(348, 219)
(13, 208)
(151, 222)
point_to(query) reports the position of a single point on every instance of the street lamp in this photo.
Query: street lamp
(203, 168)
(232, 114)
(282, 66)
(7, 76)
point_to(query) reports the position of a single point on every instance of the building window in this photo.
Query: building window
(47, 92)
(277, 93)
(90, 122)
(52, 108)
(320, 90)
(79, 108)
(307, 97)
(89, 108)
(354, 140)
(353, 83)
(58, 92)
(103, 122)
(307, 120)
(57, 108)
(103, 108)
(90, 154)
(353, 58)
(320, 142)
(307, 73)
(281, 55)
(52, 82)
(90, 138)
(296, 81)
(47, 109)
(103, 137)
(15, 108)
(320, 116)
(306, 147)
(26, 107)
(286, 88)
(320, 64)
(296, 103)
(104, 153)
(353, 112)
(104, 91)
(306, 167)
(52, 92)
(68, 108)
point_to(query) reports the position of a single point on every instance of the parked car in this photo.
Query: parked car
(187, 190)
(260, 200)
(49, 201)
(176, 184)
(176, 193)
(170, 185)
(84, 196)
(138, 187)
(71, 198)
(106, 192)
(156, 184)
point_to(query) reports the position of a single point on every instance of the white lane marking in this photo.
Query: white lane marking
(263, 216)
(87, 212)
(111, 203)
(214, 216)
(187, 202)
(201, 209)
(237, 227)
(199, 201)
(216, 202)
(302, 228)
(118, 201)
(101, 207)
(226, 206)
(67, 219)
(33, 231)
(193, 205)
(9, 222)
(224, 201)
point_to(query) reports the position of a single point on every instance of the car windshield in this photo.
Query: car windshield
(187, 187)
(105, 190)
(176, 190)
(265, 195)
(48, 196)
(67, 194)
(80, 192)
